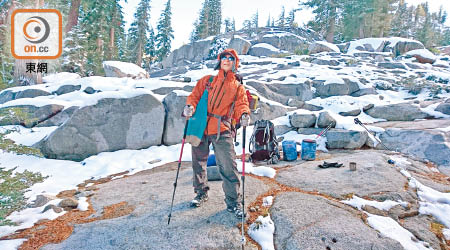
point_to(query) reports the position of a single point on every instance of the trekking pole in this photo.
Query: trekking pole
(243, 186)
(178, 170)
(324, 131)
(357, 121)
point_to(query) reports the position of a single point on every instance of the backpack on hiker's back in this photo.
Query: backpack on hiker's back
(263, 143)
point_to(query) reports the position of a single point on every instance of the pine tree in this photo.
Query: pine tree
(326, 16)
(217, 46)
(255, 20)
(352, 22)
(281, 18)
(268, 21)
(138, 33)
(247, 26)
(228, 27)
(74, 55)
(209, 21)
(233, 25)
(100, 18)
(150, 50)
(291, 18)
(6, 59)
(401, 21)
(165, 33)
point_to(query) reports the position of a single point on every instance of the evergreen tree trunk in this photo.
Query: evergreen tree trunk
(72, 19)
(139, 55)
(331, 23)
(111, 43)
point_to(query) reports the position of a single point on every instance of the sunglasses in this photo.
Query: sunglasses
(231, 59)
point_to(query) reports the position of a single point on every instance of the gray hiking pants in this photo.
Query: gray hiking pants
(225, 156)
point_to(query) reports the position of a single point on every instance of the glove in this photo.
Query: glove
(188, 111)
(245, 120)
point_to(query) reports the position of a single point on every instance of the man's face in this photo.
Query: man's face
(226, 62)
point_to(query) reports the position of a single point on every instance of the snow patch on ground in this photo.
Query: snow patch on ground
(27, 217)
(267, 201)
(127, 68)
(27, 136)
(391, 229)
(11, 244)
(358, 202)
(262, 232)
(259, 171)
(83, 205)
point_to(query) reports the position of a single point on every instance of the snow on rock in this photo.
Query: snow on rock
(358, 202)
(262, 232)
(322, 46)
(124, 69)
(60, 77)
(391, 229)
(422, 55)
(264, 49)
(397, 45)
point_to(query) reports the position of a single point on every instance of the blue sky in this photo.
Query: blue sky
(185, 12)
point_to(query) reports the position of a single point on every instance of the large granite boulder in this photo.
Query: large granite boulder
(422, 55)
(336, 88)
(325, 119)
(59, 118)
(283, 93)
(111, 124)
(283, 40)
(124, 69)
(424, 144)
(444, 108)
(397, 112)
(27, 115)
(9, 95)
(239, 44)
(192, 52)
(174, 122)
(64, 89)
(267, 111)
(322, 46)
(302, 120)
(347, 139)
(403, 46)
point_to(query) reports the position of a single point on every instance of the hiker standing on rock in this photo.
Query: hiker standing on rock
(227, 100)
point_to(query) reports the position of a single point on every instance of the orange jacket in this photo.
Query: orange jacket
(221, 95)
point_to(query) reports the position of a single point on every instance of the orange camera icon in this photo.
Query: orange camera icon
(36, 34)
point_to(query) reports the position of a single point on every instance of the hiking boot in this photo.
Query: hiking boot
(199, 199)
(237, 210)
